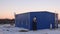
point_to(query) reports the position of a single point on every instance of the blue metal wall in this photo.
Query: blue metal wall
(44, 19)
(22, 20)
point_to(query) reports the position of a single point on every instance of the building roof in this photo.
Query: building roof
(39, 11)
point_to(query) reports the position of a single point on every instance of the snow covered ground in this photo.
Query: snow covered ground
(7, 29)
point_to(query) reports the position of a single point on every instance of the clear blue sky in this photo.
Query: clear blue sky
(8, 7)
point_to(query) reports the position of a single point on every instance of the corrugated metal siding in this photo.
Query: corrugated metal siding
(44, 19)
(22, 20)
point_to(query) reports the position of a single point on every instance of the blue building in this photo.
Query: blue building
(37, 20)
